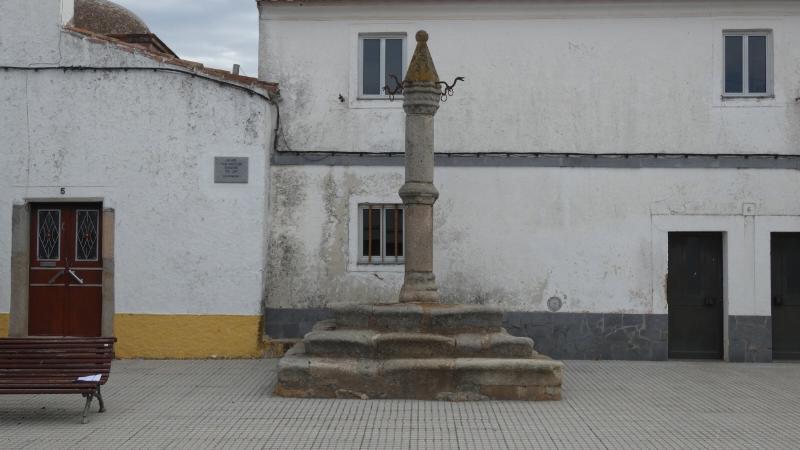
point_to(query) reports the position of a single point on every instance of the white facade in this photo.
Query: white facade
(596, 238)
(541, 77)
(583, 77)
(143, 143)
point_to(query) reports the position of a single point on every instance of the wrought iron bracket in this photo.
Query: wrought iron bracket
(447, 90)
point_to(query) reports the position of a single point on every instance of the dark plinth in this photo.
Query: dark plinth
(417, 351)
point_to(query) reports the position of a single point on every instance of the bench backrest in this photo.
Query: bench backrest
(54, 358)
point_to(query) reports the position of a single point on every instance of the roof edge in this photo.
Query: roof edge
(218, 74)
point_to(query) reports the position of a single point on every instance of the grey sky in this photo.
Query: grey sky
(217, 33)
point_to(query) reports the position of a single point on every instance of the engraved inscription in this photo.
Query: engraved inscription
(228, 169)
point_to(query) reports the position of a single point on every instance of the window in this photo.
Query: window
(748, 64)
(380, 234)
(48, 235)
(381, 56)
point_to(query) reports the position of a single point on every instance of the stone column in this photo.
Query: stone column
(421, 96)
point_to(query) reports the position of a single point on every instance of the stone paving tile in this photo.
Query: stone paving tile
(607, 404)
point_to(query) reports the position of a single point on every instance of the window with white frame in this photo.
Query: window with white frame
(748, 64)
(380, 57)
(380, 233)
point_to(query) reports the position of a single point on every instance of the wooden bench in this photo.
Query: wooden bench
(52, 365)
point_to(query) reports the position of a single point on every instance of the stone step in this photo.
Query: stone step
(535, 378)
(373, 344)
(420, 317)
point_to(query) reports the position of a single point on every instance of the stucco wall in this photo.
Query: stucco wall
(514, 237)
(575, 76)
(143, 143)
(30, 31)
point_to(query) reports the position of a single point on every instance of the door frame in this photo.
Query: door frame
(20, 264)
(735, 281)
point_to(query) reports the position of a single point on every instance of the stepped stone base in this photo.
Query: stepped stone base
(417, 351)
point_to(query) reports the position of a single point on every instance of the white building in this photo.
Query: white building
(618, 176)
(112, 218)
(594, 148)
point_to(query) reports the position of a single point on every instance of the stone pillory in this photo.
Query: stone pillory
(418, 348)
(420, 101)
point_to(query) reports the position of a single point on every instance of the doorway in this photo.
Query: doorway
(695, 296)
(66, 270)
(785, 256)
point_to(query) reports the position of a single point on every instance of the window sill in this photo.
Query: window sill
(386, 267)
(748, 101)
(747, 97)
(377, 103)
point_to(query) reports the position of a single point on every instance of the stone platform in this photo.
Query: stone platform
(423, 351)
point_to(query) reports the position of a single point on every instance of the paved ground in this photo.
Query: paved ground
(228, 404)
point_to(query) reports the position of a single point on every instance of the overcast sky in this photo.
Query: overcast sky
(217, 33)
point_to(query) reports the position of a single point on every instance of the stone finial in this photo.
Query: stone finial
(421, 68)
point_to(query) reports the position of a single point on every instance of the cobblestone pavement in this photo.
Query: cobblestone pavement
(609, 404)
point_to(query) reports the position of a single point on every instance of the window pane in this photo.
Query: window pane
(86, 235)
(394, 61)
(399, 232)
(392, 228)
(757, 63)
(371, 231)
(48, 234)
(372, 67)
(733, 64)
(366, 230)
(375, 232)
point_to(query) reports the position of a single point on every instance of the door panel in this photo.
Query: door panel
(65, 293)
(46, 310)
(694, 295)
(786, 295)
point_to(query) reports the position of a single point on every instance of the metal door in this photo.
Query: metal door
(66, 270)
(694, 295)
(786, 295)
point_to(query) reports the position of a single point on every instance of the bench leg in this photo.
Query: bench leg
(100, 400)
(86, 408)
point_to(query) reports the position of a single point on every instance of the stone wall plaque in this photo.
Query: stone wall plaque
(230, 169)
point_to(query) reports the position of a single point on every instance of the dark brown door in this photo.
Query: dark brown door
(694, 295)
(786, 295)
(66, 270)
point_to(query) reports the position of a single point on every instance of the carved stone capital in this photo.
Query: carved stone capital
(421, 98)
(418, 193)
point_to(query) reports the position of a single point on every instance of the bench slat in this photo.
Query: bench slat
(52, 365)
(20, 391)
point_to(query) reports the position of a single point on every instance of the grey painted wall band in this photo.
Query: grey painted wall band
(575, 335)
(574, 160)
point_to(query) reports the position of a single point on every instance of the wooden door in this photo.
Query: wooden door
(694, 296)
(786, 295)
(66, 270)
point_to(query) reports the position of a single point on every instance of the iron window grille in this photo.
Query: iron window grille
(381, 234)
(48, 235)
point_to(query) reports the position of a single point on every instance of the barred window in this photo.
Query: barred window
(381, 233)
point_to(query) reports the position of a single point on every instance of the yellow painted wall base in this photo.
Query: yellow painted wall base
(3, 324)
(184, 336)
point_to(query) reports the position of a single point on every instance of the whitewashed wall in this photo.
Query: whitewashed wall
(572, 76)
(514, 237)
(30, 31)
(143, 143)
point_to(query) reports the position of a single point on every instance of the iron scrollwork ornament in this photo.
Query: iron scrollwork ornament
(447, 90)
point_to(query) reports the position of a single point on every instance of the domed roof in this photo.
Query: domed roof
(105, 17)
